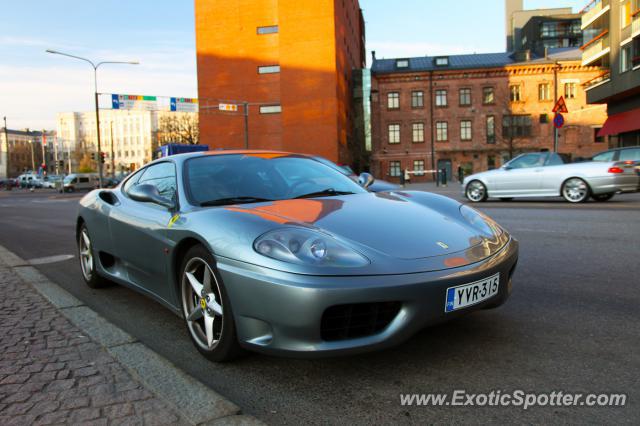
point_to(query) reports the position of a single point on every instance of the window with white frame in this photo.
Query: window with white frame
(515, 93)
(394, 133)
(441, 98)
(417, 99)
(465, 96)
(394, 168)
(441, 131)
(418, 132)
(465, 130)
(544, 91)
(418, 167)
(625, 57)
(570, 90)
(393, 100)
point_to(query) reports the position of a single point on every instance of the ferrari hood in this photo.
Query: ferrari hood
(384, 223)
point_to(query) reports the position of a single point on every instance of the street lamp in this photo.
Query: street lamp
(95, 82)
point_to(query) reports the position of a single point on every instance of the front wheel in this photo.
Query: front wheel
(603, 197)
(206, 307)
(88, 260)
(575, 190)
(476, 191)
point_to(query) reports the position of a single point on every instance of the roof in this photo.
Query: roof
(471, 61)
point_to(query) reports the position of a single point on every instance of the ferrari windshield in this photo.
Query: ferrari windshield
(246, 178)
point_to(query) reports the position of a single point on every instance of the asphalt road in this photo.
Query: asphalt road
(571, 325)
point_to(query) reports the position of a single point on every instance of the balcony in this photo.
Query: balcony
(596, 48)
(593, 11)
(601, 78)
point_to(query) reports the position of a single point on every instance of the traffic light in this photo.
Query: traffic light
(102, 157)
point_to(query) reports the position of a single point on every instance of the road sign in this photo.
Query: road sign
(558, 120)
(183, 105)
(560, 106)
(228, 107)
(147, 103)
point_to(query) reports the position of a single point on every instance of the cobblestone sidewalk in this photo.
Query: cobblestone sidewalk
(50, 373)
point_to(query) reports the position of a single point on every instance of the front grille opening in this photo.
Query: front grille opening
(354, 320)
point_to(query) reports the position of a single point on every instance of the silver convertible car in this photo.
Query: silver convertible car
(544, 174)
(279, 253)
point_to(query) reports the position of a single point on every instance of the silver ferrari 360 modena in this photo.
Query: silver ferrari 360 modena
(544, 174)
(279, 253)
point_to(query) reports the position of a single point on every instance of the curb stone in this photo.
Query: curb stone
(169, 383)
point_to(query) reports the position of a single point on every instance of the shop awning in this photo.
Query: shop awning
(627, 121)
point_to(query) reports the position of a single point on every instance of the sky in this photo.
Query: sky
(34, 85)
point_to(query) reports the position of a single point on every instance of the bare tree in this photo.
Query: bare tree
(178, 128)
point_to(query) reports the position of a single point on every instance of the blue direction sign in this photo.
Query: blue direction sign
(558, 120)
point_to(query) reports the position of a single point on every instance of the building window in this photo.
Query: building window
(418, 132)
(465, 97)
(441, 131)
(465, 130)
(393, 100)
(394, 133)
(417, 99)
(596, 138)
(270, 109)
(418, 167)
(515, 93)
(268, 69)
(442, 61)
(272, 29)
(570, 90)
(544, 92)
(402, 63)
(394, 168)
(625, 57)
(491, 129)
(487, 96)
(516, 126)
(441, 98)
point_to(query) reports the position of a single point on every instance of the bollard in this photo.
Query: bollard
(444, 177)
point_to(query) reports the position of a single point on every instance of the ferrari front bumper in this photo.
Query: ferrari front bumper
(282, 313)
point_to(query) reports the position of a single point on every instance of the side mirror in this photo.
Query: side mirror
(149, 194)
(507, 167)
(365, 179)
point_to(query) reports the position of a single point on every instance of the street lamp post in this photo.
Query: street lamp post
(95, 85)
(6, 139)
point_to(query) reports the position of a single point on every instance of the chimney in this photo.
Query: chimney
(373, 55)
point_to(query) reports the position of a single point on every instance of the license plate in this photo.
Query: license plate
(469, 294)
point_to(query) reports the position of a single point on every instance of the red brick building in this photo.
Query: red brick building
(477, 111)
(292, 62)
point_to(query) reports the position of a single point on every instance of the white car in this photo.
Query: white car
(544, 174)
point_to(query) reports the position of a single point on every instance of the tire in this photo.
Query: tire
(506, 198)
(575, 190)
(87, 258)
(476, 191)
(603, 197)
(205, 300)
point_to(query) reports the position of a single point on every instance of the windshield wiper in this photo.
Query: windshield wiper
(233, 200)
(324, 193)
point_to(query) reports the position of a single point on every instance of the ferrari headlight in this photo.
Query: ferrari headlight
(307, 247)
(479, 221)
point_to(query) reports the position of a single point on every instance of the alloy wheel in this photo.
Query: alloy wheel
(575, 190)
(86, 255)
(202, 303)
(476, 191)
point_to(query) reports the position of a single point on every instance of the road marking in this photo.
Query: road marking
(50, 259)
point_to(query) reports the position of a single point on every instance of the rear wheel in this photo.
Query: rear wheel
(575, 190)
(476, 191)
(206, 307)
(88, 260)
(603, 197)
